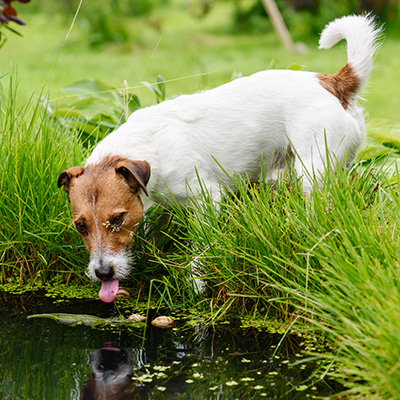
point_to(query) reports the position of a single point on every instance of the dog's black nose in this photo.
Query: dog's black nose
(104, 272)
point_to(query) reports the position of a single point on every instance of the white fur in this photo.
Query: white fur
(121, 263)
(260, 117)
(361, 35)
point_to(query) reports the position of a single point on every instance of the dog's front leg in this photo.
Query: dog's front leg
(207, 207)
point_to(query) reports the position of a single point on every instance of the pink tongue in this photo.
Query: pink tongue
(109, 290)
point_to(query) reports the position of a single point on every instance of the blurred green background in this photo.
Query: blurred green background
(193, 44)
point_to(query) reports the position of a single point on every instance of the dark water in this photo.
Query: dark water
(43, 359)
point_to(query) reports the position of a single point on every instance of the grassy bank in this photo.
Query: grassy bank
(328, 264)
(332, 262)
(35, 240)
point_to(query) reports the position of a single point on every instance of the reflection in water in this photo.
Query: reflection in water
(41, 359)
(111, 376)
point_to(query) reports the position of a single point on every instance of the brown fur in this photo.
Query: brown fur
(344, 84)
(99, 193)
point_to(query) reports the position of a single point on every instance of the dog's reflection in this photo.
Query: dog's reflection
(114, 367)
(111, 375)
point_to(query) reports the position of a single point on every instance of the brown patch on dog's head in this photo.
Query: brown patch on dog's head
(344, 85)
(64, 179)
(106, 208)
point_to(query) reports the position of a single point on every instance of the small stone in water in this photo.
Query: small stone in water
(124, 292)
(137, 318)
(163, 322)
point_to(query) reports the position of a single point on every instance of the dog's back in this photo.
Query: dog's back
(264, 115)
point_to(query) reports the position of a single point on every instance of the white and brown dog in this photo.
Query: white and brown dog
(274, 117)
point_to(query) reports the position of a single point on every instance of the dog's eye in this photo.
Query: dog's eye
(118, 220)
(81, 227)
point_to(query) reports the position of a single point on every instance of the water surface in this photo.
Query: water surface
(43, 359)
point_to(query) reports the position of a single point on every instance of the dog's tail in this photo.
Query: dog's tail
(362, 34)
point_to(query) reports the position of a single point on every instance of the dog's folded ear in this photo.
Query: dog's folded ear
(64, 179)
(136, 173)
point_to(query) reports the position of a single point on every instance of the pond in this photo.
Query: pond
(43, 359)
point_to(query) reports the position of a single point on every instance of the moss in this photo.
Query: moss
(72, 291)
(13, 288)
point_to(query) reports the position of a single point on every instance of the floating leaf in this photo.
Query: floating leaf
(82, 319)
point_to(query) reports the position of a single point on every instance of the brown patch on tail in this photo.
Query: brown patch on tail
(344, 84)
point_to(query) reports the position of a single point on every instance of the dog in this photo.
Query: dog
(267, 120)
(111, 376)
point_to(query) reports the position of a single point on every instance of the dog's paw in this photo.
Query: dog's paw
(199, 285)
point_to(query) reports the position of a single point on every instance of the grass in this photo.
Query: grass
(330, 264)
(35, 239)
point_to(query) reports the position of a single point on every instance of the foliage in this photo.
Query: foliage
(35, 239)
(381, 149)
(158, 89)
(96, 107)
(331, 260)
(85, 319)
(9, 13)
(120, 8)
(100, 24)
(303, 17)
(205, 57)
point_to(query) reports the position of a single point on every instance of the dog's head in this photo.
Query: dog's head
(111, 376)
(106, 209)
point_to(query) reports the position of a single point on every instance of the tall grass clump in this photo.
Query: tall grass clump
(254, 243)
(357, 296)
(35, 239)
(330, 261)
